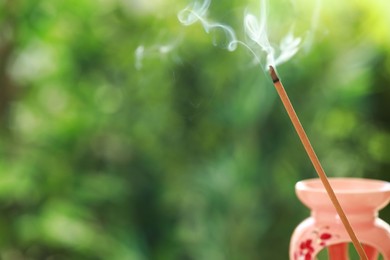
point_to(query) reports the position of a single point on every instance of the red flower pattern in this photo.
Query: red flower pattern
(306, 248)
(325, 236)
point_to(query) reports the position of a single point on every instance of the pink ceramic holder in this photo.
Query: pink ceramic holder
(361, 199)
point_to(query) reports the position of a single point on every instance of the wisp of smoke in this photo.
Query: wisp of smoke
(314, 24)
(156, 50)
(255, 28)
(139, 55)
(198, 12)
(194, 13)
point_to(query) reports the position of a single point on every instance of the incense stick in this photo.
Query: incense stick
(316, 163)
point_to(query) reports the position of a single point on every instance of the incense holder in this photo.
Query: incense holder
(361, 200)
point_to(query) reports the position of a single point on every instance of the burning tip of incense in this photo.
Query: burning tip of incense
(272, 72)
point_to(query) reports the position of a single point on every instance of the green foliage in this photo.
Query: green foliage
(125, 135)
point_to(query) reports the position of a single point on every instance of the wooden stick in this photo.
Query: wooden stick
(316, 163)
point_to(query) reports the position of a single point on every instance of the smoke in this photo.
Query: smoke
(193, 13)
(198, 12)
(256, 37)
(139, 55)
(314, 24)
(156, 50)
(255, 27)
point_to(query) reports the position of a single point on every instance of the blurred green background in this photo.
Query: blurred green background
(125, 135)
